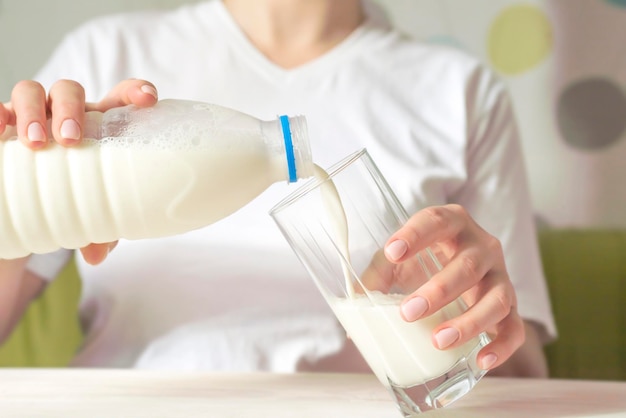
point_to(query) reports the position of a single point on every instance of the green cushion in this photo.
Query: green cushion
(49, 333)
(586, 274)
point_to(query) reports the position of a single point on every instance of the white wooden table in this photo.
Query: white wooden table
(93, 393)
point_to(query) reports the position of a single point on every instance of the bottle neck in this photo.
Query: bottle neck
(295, 147)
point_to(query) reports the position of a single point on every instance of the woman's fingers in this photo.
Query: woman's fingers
(490, 301)
(96, 253)
(29, 106)
(496, 313)
(30, 109)
(67, 105)
(470, 252)
(474, 270)
(6, 118)
(428, 227)
(138, 92)
(508, 337)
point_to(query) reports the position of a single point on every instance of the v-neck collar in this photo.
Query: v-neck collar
(345, 49)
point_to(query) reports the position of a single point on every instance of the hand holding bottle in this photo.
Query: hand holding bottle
(140, 172)
(36, 117)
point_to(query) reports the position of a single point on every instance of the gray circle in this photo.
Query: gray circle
(591, 113)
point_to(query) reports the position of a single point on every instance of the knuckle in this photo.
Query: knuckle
(470, 266)
(459, 214)
(65, 108)
(502, 303)
(519, 337)
(27, 94)
(458, 210)
(65, 83)
(69, 90)
(26, 85)
(437, 290)
(493, 245)
(468, 328)
(438, 217)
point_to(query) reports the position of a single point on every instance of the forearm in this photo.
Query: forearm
(528, 361)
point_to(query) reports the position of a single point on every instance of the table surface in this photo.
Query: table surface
(110, 393)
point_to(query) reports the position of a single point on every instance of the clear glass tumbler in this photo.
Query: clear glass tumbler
(337, 224)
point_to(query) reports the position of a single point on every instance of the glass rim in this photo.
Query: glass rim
(315, 182)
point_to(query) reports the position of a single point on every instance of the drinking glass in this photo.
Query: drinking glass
(337, 224)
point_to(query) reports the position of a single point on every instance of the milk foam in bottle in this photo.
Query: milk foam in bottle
(143, 173)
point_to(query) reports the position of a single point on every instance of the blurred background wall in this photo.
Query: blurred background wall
(564, 62)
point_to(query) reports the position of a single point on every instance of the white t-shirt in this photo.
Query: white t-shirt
(232, 295)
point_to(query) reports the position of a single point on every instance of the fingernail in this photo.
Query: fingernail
(36, 132)
(414, 308)
(148, 89)
(488, 361)
(70, 129)
(396, 249)
(446, 336)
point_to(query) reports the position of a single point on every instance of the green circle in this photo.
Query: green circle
(519, 38)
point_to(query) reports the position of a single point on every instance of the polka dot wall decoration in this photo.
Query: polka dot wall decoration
(520, 37)
(591, 113)
(564, 65)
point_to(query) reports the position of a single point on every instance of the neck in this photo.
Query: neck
(292, 32)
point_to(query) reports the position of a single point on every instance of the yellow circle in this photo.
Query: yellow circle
(519, 38)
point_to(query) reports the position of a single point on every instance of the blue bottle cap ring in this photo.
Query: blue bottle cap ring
(291, 159)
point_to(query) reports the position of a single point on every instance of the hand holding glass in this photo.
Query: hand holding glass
(338, 224)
